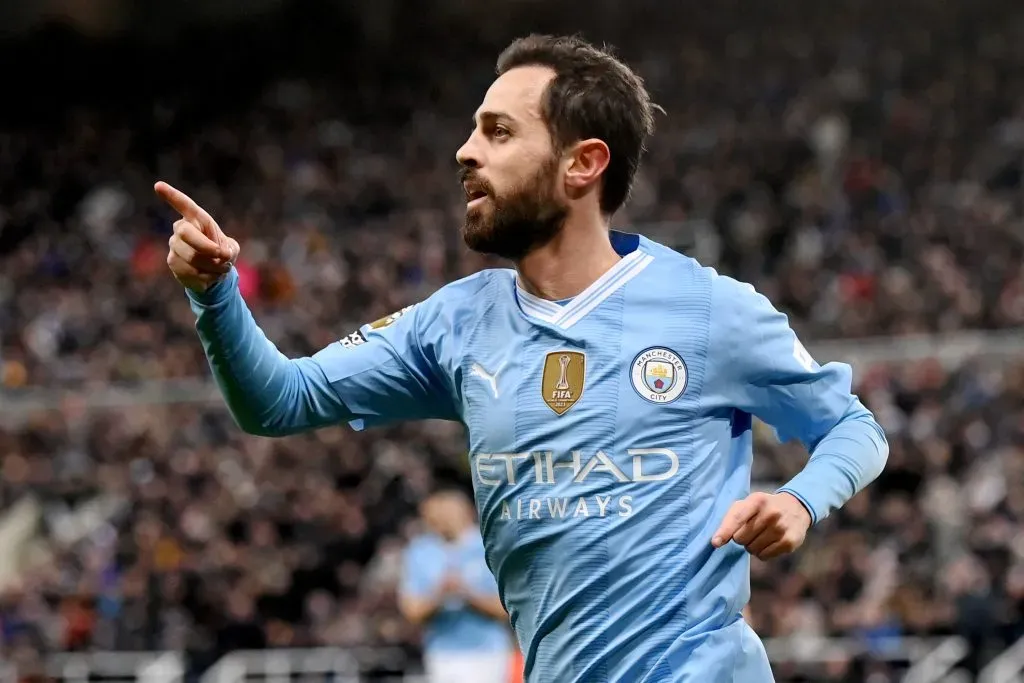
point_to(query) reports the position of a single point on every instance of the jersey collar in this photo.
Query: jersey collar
(633, 261)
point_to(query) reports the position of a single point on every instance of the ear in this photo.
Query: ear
(588, 160)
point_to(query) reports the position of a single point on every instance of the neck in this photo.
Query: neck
(568, 264)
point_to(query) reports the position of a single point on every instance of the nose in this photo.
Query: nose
(468, 155)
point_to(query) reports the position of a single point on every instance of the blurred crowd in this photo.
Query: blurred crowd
(861, 168)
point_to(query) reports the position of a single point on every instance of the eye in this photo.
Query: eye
(501, 132)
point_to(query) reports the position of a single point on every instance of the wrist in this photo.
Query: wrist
(799, 504)
(216, 291)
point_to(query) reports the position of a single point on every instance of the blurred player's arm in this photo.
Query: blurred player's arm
(418, 604)
(419, 610)
(374, 375)
(763, 369)
(420, 597)
(487, 604)
(481, 592)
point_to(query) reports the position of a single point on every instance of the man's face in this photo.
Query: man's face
(444, 515)
(432, 515)
(510, 170)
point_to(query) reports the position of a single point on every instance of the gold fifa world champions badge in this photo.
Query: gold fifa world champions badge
(563, 379)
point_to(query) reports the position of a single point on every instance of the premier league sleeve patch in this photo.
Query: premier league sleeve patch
(389, 320)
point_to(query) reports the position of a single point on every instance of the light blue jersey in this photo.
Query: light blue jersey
(456, 627)
(607, 439)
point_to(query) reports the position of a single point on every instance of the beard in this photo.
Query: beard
(511, 226)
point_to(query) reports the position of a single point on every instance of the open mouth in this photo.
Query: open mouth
(475, 197)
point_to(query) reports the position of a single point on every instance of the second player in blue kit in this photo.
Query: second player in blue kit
(607, 384)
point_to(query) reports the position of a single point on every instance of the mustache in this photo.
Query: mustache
(469, 175)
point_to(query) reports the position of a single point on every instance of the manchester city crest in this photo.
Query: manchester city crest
(658, 375)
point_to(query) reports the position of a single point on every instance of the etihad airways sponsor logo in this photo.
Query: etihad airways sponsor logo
(541, 469)
(545, 467)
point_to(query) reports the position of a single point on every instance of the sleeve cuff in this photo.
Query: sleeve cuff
(217, 292)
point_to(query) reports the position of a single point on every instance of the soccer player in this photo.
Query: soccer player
(607, 384)
(447, 588)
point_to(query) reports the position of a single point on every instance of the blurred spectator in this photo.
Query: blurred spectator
(448, 589)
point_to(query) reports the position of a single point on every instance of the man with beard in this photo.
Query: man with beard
(607, 385)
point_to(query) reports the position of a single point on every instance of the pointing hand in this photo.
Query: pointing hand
(200, 253)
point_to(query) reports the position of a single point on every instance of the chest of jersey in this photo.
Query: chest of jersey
(618, 378)
(581, 423)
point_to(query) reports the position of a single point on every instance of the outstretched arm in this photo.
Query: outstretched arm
(377, 374)
(267, 393)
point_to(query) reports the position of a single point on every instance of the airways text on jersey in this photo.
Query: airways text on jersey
(541, 484)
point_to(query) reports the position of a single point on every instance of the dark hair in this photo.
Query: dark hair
(593, 95)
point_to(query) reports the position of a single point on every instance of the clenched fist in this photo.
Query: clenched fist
(200, 253)
(766, 525)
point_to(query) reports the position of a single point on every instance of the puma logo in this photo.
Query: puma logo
(477, 370)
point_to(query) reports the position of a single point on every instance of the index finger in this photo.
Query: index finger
(183, 204)
(739, 514)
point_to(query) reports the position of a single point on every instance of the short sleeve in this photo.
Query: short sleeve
(417, 575)
(478, 575)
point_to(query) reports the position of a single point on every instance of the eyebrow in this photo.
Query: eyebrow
(491, 116)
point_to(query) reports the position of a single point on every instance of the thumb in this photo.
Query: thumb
(227, 248)
(232, 249)
(740, 512)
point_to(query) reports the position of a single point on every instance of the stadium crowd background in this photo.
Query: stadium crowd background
(860, 162)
